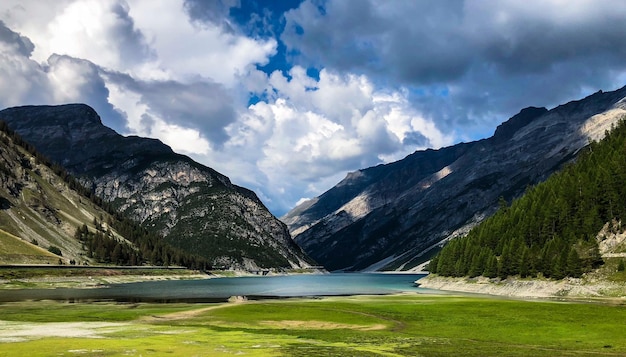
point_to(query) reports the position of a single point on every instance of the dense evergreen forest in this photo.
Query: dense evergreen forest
(101, 245)
(551, 230)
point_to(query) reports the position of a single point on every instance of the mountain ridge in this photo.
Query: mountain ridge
(425, 206)
(551, 230)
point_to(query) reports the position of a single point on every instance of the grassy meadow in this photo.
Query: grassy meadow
(400, 325)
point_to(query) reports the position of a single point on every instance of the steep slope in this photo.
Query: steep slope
(390, 216)
(40, 213)
(553, 228)
(193, 206)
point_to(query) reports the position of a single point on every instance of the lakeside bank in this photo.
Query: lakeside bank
(528, 288)
(81, 277)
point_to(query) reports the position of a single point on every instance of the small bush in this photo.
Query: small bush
(55, 250)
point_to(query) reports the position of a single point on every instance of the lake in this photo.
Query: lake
(220, 289)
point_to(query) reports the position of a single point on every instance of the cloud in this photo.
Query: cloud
(61, 79)
(336, 123)
(215, 11)
(98, 30)
(17, 43)
(76, 80)
(99, 49)
(187, 51)
(204, 109)
(311, 132)
(285, 97)
(21, 77)
(490, 58)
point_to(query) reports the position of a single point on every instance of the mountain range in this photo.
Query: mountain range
(194, 207)
(388, 217)
(396, 216)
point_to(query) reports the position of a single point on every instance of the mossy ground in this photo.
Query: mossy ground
(403, 325)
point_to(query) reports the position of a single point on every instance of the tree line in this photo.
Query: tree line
(551, 230)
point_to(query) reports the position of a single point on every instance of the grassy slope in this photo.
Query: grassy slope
(13, 250)
(46, 210)
(348, 326)
(25, 220)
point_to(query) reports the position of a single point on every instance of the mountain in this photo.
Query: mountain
(396, 216)
(552, 230)
(196, 208)
(46, 217)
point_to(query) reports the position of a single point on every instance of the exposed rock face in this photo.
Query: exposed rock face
(388, 217)
(195, 207)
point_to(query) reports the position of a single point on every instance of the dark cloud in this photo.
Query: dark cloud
(22, 44)
(147, 122)
(494, 57)
(213, 11)
(131, 42)
(411, 40)
(424, 41)
(416, 139)
(81, 82)
(205, 106)
(201, 105)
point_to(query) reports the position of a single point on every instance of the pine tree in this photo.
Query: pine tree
(491, 269)
(574, 266)
(524, 264)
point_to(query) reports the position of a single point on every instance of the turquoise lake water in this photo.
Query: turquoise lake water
(220, 289)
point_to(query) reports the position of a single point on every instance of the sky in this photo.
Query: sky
(286, 97)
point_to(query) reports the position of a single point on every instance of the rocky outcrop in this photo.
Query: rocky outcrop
(194, 206)
(394, 216)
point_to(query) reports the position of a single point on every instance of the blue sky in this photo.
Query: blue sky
(286, 97)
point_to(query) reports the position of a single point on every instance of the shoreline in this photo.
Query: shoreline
(104, 276)
(90, 282)
(569, 288)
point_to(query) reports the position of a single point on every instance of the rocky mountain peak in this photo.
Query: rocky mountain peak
(195, 207)
(507, 129)
(77, 128)
(65, 116)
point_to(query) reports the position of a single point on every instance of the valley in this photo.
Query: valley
(312, 178)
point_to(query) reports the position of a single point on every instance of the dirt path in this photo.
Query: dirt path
(181, 315)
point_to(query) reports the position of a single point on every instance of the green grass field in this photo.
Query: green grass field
(403, 325)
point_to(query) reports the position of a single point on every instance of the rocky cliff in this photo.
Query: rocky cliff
(394, 216)
(193, 206)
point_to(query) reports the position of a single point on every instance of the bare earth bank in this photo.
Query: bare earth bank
(527, 288)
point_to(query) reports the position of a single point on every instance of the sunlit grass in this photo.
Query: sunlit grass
(14, 250)
(404, 325)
